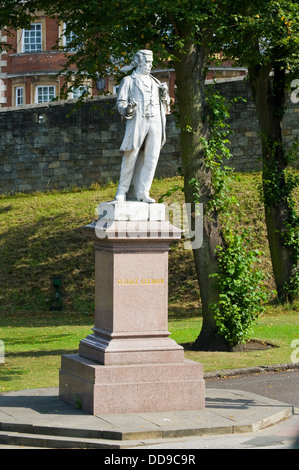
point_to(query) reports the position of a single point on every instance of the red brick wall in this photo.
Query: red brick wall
(35, 62)
(52, 33)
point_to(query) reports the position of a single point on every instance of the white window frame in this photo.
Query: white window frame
(32, 33)
(77, 92)
(67, 38)
(43, 94)
(19, 96)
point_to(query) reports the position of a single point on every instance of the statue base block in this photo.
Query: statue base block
(128, 363)
(101, 389)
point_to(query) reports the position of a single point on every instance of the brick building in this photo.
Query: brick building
(28, 73)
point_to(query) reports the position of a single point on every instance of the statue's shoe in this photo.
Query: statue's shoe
(146, 198)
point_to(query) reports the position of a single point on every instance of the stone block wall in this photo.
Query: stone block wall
(44, 147)
(245, 140)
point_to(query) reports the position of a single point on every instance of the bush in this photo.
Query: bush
(242, 292)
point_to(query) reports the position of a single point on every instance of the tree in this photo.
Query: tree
(106, 34)
(264, 36)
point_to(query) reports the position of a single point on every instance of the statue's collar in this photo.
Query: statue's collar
(135, 75)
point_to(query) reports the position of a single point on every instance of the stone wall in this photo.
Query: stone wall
(45, 147)
(245, 140)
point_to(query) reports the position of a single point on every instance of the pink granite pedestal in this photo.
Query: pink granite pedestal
(129, 363)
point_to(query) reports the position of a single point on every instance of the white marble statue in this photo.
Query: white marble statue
(143, 101)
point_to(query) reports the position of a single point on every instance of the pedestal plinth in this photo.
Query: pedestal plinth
(129, 363)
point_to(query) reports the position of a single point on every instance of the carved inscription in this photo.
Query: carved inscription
(142, 282)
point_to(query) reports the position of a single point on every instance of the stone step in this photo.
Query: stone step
(60, 442)
(79, 432)
(56, 431)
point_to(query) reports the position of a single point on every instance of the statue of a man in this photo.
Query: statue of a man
(143, 101)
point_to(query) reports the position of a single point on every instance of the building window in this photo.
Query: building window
(32, 38)
(67, 40)
(77, 92)
(19, 96)
(44, 94)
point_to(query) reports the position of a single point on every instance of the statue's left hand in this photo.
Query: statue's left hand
(131, 108)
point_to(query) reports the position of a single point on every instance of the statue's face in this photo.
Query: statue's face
(145, 65)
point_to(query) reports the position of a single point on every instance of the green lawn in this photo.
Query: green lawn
(40, 237)
(278, 329)
(33, 345)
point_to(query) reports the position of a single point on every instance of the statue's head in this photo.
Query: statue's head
(144, 61)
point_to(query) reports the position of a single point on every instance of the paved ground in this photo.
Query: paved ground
(283, 435)
(253, 411)
(282, 385)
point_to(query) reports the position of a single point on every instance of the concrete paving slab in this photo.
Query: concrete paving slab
(41, 413)
(165, 419)
(291, 431)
